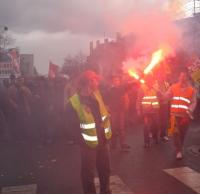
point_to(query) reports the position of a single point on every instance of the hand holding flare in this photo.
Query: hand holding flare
(157, 57)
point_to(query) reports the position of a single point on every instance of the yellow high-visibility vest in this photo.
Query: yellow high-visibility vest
(87, 122)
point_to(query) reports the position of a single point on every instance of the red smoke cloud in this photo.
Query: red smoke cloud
(149, 22)
(151, 31)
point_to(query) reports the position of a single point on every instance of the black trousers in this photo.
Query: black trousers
(179, 136)
(92, 160)
(164, 118)
(151, 124)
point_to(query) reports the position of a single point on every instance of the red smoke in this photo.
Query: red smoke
(151, 31)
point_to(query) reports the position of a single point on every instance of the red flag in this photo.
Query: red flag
(53, 70)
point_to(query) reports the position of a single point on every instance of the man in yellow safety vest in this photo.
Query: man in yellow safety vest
(88, 118)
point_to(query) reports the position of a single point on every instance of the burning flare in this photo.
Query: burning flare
(142, 81)
(156, 59)
(132, 73)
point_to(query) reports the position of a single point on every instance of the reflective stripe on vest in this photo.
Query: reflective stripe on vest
(150, 102)
(179, 106)
(89, 138)
(155, 103)
(107, 130)
(87, 126)
(149, 97)
(92, 138)
(146, 103)
(104, 118)
(180, 103)
(182, 98)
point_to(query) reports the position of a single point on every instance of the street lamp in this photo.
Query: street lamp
(5, 28)
(2, 36)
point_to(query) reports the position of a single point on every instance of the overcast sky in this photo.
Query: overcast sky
(52, 29)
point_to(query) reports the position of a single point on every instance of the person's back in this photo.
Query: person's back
(148, 108)
(148, 101)
(116, 95)
(117, 101)
(117, 98)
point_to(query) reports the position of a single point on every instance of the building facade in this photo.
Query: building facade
(8, 64)
(107, 57)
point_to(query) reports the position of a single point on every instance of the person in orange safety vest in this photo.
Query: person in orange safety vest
(182, 98)
(148, 107)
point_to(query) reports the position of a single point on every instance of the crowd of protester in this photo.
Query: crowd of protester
(31, 109)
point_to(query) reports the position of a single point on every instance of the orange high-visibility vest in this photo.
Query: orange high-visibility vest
(181, 100)
(150, 100)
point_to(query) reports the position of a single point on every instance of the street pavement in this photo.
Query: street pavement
(55, 168)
